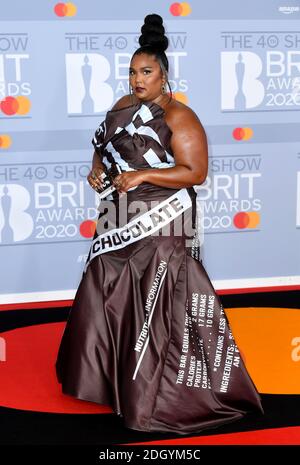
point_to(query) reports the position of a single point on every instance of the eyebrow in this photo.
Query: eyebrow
(143, 67)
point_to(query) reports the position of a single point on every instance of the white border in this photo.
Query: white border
(69, 294)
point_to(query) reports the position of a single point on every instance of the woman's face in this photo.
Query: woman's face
(145, 77)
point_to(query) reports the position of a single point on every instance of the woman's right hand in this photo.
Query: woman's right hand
(94, 178)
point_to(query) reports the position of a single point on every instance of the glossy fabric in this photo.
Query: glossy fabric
(147, 333)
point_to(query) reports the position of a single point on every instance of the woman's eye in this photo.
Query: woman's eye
(147, 71)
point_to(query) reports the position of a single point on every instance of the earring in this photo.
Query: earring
(163, 89)
(131, 94)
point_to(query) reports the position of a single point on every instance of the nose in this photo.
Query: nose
(138, 79)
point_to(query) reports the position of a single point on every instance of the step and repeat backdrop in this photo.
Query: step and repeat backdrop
(63, 66)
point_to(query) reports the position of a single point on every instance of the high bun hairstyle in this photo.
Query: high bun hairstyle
(154, 42)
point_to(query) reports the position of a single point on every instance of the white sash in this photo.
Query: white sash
(141, 226)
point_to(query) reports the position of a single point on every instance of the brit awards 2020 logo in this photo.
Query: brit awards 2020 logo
(54, 204)
(87, 89)
(97, 69)
(231, 194)
(241, 88)
(15, 88)
(260, 71)
(16, 224)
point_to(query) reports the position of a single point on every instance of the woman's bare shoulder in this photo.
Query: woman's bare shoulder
(123, 102)
(178, 113)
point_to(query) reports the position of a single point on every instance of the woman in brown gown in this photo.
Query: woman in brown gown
(147, 333)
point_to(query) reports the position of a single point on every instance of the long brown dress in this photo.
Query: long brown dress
(147, 333)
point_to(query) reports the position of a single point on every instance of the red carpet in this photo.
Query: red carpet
(28, 379)
(278, 436)
(34, 410)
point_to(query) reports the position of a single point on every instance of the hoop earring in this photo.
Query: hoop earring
(131, 94)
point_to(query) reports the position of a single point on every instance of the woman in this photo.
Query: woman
(147, 333)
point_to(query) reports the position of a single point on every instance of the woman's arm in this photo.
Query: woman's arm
(189, 146)
(97, 161)
(93, 177)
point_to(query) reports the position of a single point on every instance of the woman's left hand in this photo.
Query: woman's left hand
(124, 181)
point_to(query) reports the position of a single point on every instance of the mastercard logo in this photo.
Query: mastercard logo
(181, 97)
(244, 220)
(242, 133)
(5, 141)
(65, 9)
(87, 228)
(19, 105)
(180, 9)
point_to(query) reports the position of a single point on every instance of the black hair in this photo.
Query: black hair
(154, 42)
